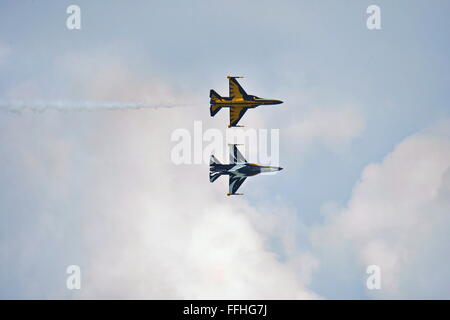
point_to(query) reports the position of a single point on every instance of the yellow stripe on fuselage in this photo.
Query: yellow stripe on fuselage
(224, 102)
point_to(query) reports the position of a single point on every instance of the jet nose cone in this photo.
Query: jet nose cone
(280, 168)
(278, 101)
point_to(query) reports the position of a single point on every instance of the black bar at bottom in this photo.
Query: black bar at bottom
(222, 309)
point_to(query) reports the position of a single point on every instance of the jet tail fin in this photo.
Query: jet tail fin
(214, 98)
(214, 95)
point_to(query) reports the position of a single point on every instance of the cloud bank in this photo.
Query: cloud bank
(99, 190)
(398, 218)
(140, 226)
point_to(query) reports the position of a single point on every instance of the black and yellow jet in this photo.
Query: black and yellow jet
(238, 102)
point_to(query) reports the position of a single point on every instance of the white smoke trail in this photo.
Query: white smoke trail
(41, 106)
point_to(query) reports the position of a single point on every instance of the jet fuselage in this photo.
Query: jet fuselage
(242, 169)
(238, 101)
(237, 170)
(248, 102)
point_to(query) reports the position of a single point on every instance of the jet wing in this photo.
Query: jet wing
(236, 113)
(236, 91)
(235, 155)
(234, 184)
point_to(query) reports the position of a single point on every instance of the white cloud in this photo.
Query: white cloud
(168, 232)
(398, 215)
(151, 229)
(148, 228)
(333, 127)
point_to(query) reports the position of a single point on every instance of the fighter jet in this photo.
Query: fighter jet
(238, 102)
(238, 170)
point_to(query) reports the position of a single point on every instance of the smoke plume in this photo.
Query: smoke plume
(41, 106)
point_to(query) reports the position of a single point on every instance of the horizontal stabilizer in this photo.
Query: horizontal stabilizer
(213, 176)
(214, 109)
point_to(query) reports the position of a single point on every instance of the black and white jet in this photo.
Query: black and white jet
(238, 170)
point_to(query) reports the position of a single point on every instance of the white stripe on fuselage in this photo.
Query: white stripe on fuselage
(235, 169)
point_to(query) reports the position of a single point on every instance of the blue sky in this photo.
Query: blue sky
(78, 187)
